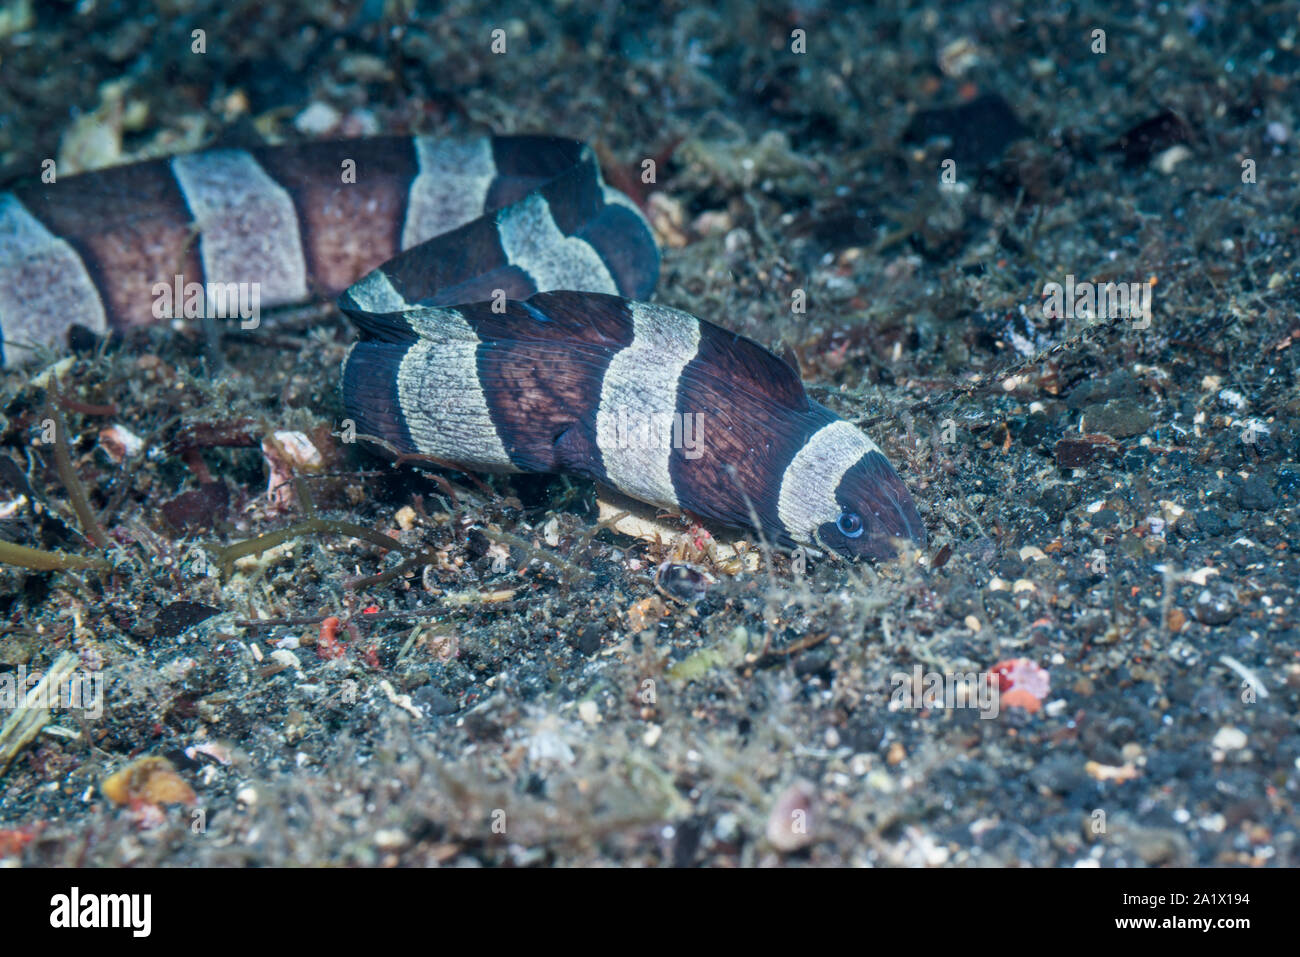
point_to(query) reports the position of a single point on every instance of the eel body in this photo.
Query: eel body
(498, 284)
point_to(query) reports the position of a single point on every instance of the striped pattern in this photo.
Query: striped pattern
(595, 385)
(246, 222)
(445, 408)
(495, 284)
(806, 500)
(640, 385)
(375, 293)
(451, 188)
(90, 250)
(532, 242)
(41, 275)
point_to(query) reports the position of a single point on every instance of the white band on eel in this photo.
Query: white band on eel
(807, 499)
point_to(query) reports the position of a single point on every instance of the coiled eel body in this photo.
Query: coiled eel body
(498, 284)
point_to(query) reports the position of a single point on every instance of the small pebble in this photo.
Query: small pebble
(789, 824)
(317, 120)
(1229, 738)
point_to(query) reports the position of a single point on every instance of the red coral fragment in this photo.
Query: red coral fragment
(1022, 683)
(328, 645)
(13, 840)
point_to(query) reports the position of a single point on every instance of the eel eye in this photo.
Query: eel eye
(849, 524)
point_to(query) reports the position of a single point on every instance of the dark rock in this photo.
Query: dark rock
(1139, 143)
(587, 641)
(434, 700)
(1214, 608)
(1076, 451)
(812, 662)
(1029, 430)
(1096, 391)
(1105, 518)
(477, 543)
(979, 130)
(686, 841)
(179, 615)
(197, 509)
(82, 340)
(1209, 522)
(1257, 493)
(1057, 499)
(1121, 418)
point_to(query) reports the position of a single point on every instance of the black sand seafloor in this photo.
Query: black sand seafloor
(884, 195)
